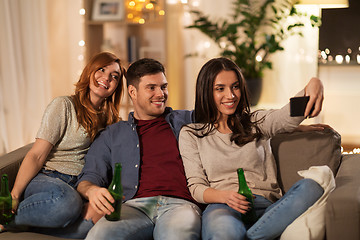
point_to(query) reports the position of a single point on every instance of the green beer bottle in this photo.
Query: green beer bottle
(6, 214)
(250, 216)
(116, 191)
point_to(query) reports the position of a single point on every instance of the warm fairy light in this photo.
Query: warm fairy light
(82, 11)
(354, 151)
(323, 55)
(81, 57)
(81, 43)
(141, 11)
(149, 6)
(132, 4)
(195, 3)
(339, 59)
(258, 58)
(347, 59)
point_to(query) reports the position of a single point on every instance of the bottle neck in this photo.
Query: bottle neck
(4, 186)
(241, 177)
(117, 173)
(240, 173)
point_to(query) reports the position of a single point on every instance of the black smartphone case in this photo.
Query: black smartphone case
(298, 106)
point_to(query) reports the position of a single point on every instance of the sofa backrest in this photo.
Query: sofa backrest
(10, 162)
(301, 150)
(292, 151)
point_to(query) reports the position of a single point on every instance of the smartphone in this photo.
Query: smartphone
(298, 106)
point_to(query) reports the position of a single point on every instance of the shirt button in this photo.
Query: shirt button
(135, 187)
(133, 129)
(137, 145)
(136, 165)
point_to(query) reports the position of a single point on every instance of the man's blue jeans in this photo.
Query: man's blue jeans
(50, 204)
(151, 218)
(222, 222)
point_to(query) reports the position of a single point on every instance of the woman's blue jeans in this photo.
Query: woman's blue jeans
(50, 204)
(222, 222)
(150, 218)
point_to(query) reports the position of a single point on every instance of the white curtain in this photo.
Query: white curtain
(24, 71)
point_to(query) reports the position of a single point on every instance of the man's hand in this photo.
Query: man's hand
(315, 90)
(100, 199)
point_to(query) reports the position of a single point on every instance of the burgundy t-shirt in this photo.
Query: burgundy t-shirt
(162, 171)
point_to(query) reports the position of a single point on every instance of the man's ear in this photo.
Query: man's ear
(132, 91)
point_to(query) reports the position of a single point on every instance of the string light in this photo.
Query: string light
(347, 59)
(132, 4)
(339, 59)
(350, 57)
(354, 151)
(149, 6)
(141, 11)
(81, 43)
(82, 11)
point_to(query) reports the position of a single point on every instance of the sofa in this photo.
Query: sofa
(293, 152)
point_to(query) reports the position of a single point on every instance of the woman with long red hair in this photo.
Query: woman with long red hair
(44, 193)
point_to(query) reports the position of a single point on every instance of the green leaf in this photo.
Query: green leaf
(255, 27)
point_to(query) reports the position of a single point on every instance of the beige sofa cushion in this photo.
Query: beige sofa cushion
(301, 150)
(343, 206)
(10, 162)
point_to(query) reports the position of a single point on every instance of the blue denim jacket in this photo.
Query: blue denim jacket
(119, 142)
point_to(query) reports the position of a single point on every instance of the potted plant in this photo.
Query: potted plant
(257, 29)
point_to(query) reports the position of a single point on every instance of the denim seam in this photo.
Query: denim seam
(273, 211)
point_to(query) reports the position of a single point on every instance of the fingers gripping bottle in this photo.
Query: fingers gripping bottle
(6, 214)
(250, 216)
(116, 191)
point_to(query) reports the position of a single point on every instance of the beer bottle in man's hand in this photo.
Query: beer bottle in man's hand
(116, 191)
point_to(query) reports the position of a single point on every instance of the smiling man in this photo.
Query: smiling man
(158, 204)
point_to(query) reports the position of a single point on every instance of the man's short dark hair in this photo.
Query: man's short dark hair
(140, 68)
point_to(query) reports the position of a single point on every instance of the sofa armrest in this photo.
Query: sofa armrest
(301, 150)
(343, 205)
(10, 162)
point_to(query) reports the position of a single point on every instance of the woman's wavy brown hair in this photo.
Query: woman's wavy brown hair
(206, 112)
(91, 119)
